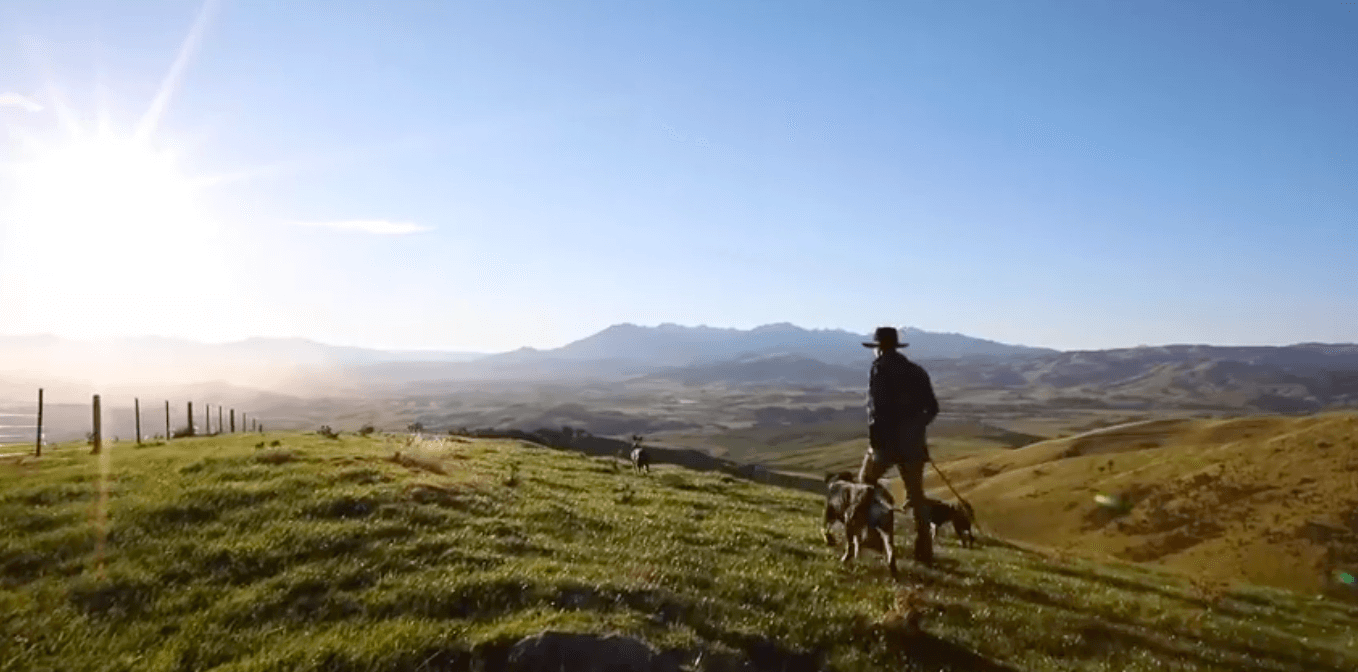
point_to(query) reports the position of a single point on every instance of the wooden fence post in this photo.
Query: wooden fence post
(219, 420)
(167, 420)
(233, 421)
(190, 418)
(98, 438)
(207, 419)
(136, 408)
(38, 443)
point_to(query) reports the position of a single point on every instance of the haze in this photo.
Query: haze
(485, 176)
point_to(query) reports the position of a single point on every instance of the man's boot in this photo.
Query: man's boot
(924, 545)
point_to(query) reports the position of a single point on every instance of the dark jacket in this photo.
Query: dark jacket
(899, 390)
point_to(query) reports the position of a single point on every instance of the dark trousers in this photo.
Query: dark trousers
(906, 449)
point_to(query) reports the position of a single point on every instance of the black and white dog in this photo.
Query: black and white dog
(867, 512)
(640, 458)
(942, 513)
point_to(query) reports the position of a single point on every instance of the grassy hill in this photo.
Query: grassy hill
(819, 447)
(1272, 499)
(341, 555)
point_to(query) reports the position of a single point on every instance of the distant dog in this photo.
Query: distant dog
(867, 513)
(942, 513)
(640, 458)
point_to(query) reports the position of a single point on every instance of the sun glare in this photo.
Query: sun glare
(107, 238)
(102, 191)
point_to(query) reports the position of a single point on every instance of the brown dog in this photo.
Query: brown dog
(867, 513)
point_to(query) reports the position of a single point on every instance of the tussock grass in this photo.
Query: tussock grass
(219, 555)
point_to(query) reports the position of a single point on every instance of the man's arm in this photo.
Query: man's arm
(928, 402)
(876, 390)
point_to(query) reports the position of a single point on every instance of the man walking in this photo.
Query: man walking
(901, 404)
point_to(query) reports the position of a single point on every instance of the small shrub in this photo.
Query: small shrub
(513, 478)
(366, 430)
(327, 432)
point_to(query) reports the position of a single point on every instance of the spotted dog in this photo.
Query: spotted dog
(867, 513)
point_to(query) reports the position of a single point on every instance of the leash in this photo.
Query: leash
(966, 507)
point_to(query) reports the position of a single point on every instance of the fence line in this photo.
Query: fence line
(96, 435)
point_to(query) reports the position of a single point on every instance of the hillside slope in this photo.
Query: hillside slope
(1270, 500)
(1302, 377)
(384, 554)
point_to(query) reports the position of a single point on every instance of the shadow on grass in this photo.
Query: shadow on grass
(1220, 606)
(1228, 654)
(1110, 632)
(927, 652)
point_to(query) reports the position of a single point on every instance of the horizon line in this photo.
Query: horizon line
(315, 341)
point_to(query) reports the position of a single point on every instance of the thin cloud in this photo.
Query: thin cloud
(379, 227)
(21, 102)
(153, 115)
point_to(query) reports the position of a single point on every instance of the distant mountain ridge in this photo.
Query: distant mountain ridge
(1302, 377)
(674, 345)
(1294, 378)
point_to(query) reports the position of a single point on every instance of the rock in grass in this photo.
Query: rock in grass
(550, 651)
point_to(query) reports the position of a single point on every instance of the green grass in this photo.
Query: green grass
(836, 445)
(327, 555)
(848, 455)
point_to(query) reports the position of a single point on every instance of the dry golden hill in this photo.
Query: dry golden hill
(1267, 500)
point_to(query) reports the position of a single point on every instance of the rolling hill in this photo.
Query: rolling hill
(388, 554)
(1270, 500)
(1296, 378)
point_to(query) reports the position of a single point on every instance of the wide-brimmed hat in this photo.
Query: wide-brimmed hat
(886, 337)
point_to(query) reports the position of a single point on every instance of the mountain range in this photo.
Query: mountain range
(1277, 378)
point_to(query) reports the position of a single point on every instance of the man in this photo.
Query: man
(901, 404)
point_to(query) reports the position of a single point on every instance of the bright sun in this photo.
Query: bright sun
(107, 238)
(104, 233)
(103, 192)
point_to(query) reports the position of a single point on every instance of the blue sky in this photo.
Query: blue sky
(484, 176)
